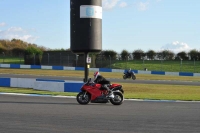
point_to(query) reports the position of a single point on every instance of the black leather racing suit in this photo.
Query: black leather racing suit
(104, 82)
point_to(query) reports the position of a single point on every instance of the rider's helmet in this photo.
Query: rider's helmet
(96, 74)
(129, 70)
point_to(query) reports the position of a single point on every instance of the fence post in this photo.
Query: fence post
(110, 61)
(3, 57)
(76, 59)
(33, 58)
(126, 62)
(60, 59)
(68, 60)
(181, 65)
(143, 63)
(101, 60)
(48, 58)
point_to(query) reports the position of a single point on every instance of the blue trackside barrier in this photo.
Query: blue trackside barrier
(105, 70)
(57, 68)
(14, 66)
(185, 74)
(5, 82)
(35, 66)
(158, 72)
(72, 87)
(42, 84)
(80, 68)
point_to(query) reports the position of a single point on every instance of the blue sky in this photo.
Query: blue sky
(126, 24)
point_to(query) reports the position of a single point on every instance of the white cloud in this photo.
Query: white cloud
(17, 33)
(15, 30)
(142, 6)
(123, 4)
(110, 4)
(2, 24)
(176, 47)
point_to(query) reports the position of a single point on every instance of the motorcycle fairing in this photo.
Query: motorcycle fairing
(93, 89)
(117, 87)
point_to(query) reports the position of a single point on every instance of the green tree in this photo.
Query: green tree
(110, 54)
(2, 48)
(138, 54)
(193, 54)
(124, 54)
(182, 55)
(168, 55)
(33, 50)
(151, 54)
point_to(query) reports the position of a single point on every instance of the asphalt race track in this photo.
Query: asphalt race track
(34, 114)
(37, 114)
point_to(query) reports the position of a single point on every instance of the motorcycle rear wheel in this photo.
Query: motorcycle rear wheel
(83, 98)
(118, 98)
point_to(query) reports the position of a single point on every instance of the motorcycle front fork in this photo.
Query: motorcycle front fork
(84, 94)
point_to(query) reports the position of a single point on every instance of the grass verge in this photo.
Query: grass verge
(133, 91)
(71, 73)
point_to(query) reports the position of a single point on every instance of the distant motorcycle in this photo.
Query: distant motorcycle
(129, 75)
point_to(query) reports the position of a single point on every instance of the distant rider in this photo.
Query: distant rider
(101, 80)
(129, 72)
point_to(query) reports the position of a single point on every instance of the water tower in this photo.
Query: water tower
(85, 28)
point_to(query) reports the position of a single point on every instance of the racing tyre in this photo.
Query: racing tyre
(124, 76)
(133, 77)
(83, 98)
(118, 98)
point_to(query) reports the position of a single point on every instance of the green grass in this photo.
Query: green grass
(135, 91)
(68, 73)
(11, 60)
(168, 66)
(162, 92)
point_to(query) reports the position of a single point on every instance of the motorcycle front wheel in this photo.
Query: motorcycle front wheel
(124, 76)
(83, 98)
(133, 77)
(118, 98)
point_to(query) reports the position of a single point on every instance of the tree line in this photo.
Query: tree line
(150, 55)
(16, 46)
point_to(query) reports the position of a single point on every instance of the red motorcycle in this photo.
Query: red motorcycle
(92, 92)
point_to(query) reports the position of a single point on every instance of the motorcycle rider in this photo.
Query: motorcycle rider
(129, 72)
(98, 78)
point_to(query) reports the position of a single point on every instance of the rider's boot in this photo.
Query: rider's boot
(110, 94)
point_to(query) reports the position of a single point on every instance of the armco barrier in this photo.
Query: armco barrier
(18, 66)
(42, 84)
